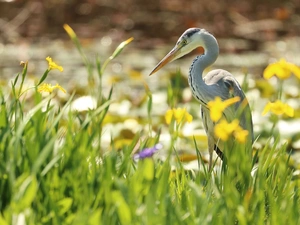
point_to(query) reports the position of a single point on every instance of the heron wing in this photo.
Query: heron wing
(223, 84)
(242, 108)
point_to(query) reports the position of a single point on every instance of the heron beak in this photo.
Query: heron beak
(168, 58)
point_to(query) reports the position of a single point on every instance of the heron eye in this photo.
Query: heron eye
(184, 42)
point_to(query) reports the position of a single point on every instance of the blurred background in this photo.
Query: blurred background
(256, 20)
(251, 33)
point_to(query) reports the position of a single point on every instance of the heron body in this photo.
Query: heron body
(216, 83)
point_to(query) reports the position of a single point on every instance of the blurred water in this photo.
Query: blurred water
(134, 58)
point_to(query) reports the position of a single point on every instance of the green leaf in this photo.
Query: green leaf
(98, 65)
(148, 169)
(118, 50)
(15, 80)
(76, 41)
(3, 116)
(95, 218)
(24, 72)
(149, 105)
(25, 191)
(2, 220)
(43, 77)
(43, 155)
(123, 208)
(65, 205)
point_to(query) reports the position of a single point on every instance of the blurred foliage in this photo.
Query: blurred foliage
(159, 18)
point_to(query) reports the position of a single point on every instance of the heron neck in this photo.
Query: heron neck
(200, 63)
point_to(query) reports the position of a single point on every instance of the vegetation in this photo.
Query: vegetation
(54, 169)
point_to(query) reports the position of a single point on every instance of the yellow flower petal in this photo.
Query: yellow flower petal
(221, 133)
(53, 65)
(60, 88)
(269, 71)
(295, 70)
(70, 31)
(278, 108)
(267, 108)
(282, 69)
(233, 125)
(278, 69)
(224, 129)
(168, 116)
(218, 106)
(189, 118)
(241, 135)
(231, 101)
(45, 88)
(49, 88)
(216, 109)
(289, 111)
(180, 115)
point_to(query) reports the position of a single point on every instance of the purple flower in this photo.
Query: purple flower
(147, 152)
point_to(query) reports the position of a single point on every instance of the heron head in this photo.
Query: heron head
(192, 38)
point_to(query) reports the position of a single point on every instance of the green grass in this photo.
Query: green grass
(53, 170)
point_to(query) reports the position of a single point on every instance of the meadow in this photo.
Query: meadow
(56, 169)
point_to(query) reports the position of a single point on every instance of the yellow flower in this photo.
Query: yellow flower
(168, 116)
(69, 30)
(278, 108)
(53, 65)
(179, 114)
(224, 130)
(241, 135)
(282, 69)
(217, 107)
(49, 88)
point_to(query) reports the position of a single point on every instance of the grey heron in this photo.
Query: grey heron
(216, 83)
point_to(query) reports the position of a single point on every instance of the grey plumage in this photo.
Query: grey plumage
(216, 83)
